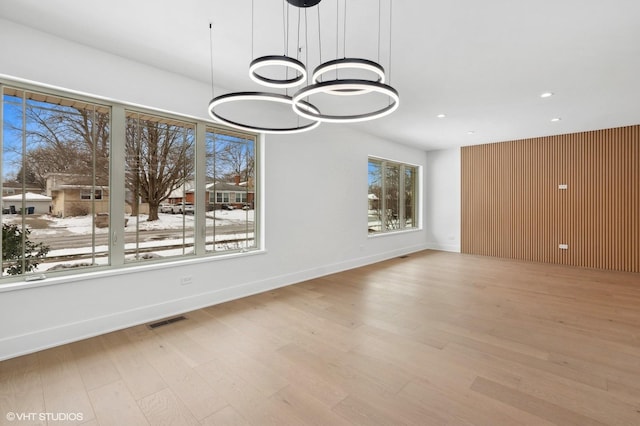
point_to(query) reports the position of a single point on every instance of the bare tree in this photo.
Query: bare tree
(160, 159)
(66, 140)
(235, 158)
(75, 139)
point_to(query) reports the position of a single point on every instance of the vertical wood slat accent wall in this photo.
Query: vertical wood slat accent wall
(512, 206)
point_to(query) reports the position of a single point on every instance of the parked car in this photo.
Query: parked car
(227, 207)
(165, 208)
(183, 208)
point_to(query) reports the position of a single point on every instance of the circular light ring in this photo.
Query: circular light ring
(329, 87)
(348, 63)
(277, 60)
(337, 64)
(261, 96)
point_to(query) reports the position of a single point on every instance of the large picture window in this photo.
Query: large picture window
(392, 196)
(73, 199)
(160, 168)
(55, 160)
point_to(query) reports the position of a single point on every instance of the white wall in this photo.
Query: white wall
(315, 219)
(442, 177)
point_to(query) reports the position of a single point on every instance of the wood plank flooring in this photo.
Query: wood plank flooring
(432, 339)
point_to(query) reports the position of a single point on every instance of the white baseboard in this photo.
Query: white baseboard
(14, 346)
(455, 248)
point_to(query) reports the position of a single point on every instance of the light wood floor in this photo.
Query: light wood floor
(435, 338)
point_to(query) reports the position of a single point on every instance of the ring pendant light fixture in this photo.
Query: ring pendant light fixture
(266, 97)
(254, 67)
(348, 86)
(300, 102)
(336, 65)
(278, 60)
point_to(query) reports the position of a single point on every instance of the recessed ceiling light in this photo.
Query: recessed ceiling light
(441, 115)
(471, 132)
(546, 95)
(556, 119)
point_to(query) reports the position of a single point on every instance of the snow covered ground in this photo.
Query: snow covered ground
(83, 225)
(50, 228)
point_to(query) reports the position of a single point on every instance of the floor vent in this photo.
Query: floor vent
(166, 322)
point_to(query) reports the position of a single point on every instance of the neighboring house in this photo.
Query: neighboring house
(33, 203)
(74, 195)
(13, 188)
(374, 202)
(184, 194)
(236, 194)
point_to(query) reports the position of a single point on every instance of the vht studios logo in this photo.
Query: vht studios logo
(49, 417)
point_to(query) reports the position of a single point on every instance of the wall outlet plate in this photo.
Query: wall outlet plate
(563, 246)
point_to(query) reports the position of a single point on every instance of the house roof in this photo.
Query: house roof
(221, 186)
(28, 196)
(17, 185)
(224, 186)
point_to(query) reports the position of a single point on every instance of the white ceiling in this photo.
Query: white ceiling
(482, 63)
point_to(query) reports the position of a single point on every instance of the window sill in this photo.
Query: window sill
(388, 233)
(125, 269)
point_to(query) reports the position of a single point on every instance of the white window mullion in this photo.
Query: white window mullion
(117, 184)
(383, 183)
(200, 203)
(401, 198)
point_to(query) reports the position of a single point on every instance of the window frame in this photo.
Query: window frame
(400, 223)
(147, 115)
(240, 197)
(226, 194)
(87, 194)
(223, 197)
(116, 190)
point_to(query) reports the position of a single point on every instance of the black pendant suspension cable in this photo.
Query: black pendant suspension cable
(306, 49)
(319, 40)
(252, 30)
(390, 35)
(344, 30)
(211, 57)
(286, 38)
(337, 30)
(298, 39)
(285, 27)
(379, 26)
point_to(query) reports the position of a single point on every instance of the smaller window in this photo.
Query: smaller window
(222, 197)
(241, 197)
(85, 194)
(392, 196)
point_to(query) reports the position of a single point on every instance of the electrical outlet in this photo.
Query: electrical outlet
(186, 280)
(563, 246)
(562, 186)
